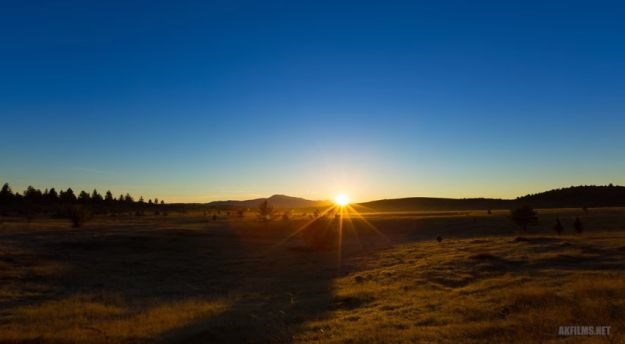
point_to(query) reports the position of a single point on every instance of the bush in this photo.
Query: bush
(265, 212)
(286, 216)
(579, 228)
(524, 216)
(558, 227)
(78, 215)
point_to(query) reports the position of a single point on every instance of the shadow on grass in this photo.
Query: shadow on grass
(270, 293)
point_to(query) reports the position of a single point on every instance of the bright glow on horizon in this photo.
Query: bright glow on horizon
(341, 200)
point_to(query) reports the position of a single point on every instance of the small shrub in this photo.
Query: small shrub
(558, 227)
(265, 212)
(78, 215)
(579, 228)
(524, 216)
(286, 216)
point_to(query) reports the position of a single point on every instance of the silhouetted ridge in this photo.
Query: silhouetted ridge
(432, 203)
(571, 197)
(33, 201)
(578, 196)
(277, 201)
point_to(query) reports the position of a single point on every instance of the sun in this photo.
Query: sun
(341, 200)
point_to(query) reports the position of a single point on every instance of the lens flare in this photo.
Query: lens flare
(314, 230)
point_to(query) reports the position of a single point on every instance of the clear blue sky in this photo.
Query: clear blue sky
(235, 99)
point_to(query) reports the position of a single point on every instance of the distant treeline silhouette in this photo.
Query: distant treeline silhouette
(437, 204)
(585, 196)
(51, 201)
(34, 201)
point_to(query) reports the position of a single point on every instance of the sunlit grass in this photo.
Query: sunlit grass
(233, 282)
(429, 292)
(89, 319)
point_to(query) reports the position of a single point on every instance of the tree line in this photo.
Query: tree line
(35, 201)
(578, 196)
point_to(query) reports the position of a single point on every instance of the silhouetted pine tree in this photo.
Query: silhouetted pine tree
(6, 193)
(53, 196)
(32, 195)
(83, 197)
(96, 198)
(68, 196)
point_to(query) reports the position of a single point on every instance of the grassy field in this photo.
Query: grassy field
(186, 278)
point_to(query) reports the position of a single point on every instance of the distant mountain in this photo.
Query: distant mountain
(277, 201)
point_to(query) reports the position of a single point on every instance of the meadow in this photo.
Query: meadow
(186, 278)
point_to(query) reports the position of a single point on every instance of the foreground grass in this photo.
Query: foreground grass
(88, 319)
(480, 290)
(186, 279)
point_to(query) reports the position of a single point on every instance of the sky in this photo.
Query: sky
(199, 101)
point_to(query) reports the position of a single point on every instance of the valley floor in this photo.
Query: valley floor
(189, 279)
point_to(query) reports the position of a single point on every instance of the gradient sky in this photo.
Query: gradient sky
(235, 99)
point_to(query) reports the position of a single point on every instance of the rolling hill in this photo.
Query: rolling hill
(433, 204)
(574, 196)
(277, 201)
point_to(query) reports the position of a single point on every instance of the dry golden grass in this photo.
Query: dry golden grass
(487, 290)
(84, 319)
(186, 278)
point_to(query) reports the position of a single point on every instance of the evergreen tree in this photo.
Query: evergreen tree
(6, 194)
(108, 197)
(96, 197)
(32, 195)
(84, 197)
(6, 190)
(68, 196)
(53, 196)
